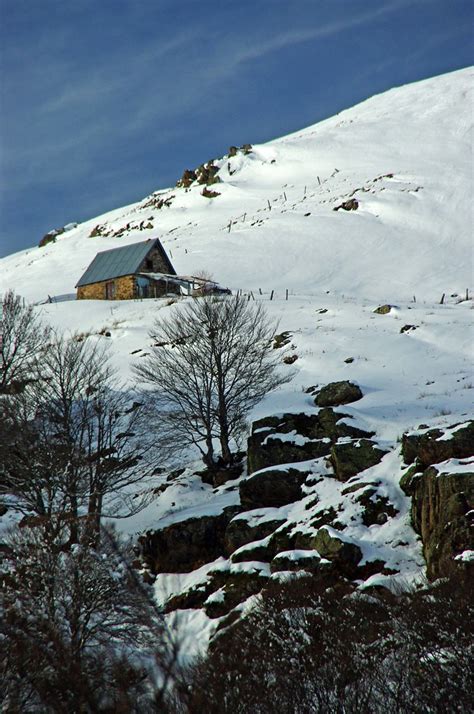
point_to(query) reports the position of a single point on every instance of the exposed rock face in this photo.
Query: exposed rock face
(186, 179)
(442, 494)
(433, 446)
(185, 546)
(337, 393)
(266, 447)
(350, 458)
(272, 488)
(442, 512)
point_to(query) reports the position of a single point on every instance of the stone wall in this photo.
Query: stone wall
(156, 261)
(124, 289)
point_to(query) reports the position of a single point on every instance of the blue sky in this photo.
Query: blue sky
(104, 101)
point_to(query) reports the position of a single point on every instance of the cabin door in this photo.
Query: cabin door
(110, 290)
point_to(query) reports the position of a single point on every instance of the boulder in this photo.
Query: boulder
(272, 488)
(351, 205)
(207, 193)
(350, 458)
(186, 545)
(344, 554)
(337, 393)
(281, 340)
(383, 309)
(436, 445)
(442, 513)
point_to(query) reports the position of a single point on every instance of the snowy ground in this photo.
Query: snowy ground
(405, 156)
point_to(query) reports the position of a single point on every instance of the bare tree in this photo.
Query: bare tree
(23, 339)
(72, 442)
(212, 361)
(78, 631)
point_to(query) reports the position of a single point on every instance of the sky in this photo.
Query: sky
(103, 102)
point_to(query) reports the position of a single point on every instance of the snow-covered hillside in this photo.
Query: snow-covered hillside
(405, 156)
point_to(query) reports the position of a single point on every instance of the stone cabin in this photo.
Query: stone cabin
(139, 270)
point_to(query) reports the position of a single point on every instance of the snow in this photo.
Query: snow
(467, 556)
(406, 157)
(455, 466)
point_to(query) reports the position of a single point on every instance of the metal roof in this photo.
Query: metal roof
(117, 262)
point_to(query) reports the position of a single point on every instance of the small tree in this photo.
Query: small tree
(23, 339)
(212, 362)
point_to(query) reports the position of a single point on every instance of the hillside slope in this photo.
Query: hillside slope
(404, 156)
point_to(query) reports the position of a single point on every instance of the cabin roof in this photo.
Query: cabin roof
(116, 262)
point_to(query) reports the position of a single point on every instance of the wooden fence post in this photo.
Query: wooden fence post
(286, 293)
(269, 206)
(271, 295)
(441, 302)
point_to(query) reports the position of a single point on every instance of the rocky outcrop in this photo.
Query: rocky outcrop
(338, 393)
(441, 486)
(50, 237)
(272, 488)
(188, 177)
(428, 447)
(246, 529)
(350, 458)
(314, 435)
(186, 545)
(205, 174)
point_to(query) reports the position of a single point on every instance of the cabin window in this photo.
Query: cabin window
(149, 264)
(110, 290)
